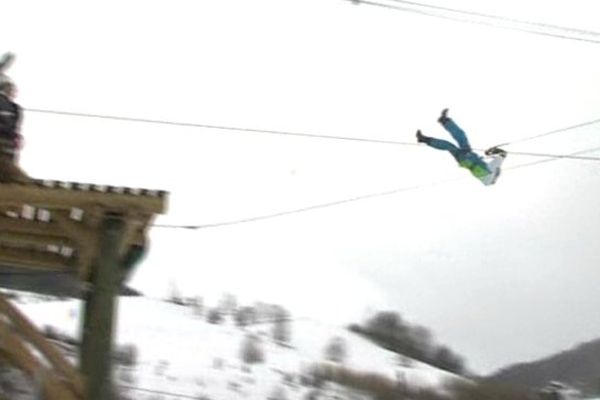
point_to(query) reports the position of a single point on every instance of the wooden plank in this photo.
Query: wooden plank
(21, 225)
(57, 196)
(64, 284)
(23, 249)
(34, 260)
(86, 236)
(24, 239)
(17, 354)
(81, 236)
(33, 336)
(34, 239)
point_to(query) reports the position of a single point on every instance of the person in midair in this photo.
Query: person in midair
(485, 169)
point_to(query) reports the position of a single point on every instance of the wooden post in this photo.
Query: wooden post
(99, 313)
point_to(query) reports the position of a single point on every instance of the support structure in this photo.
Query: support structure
(74, 240)
(99, 316)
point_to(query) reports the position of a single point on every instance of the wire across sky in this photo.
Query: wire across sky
(351, 199)
(546, 158)
(421, 8)
(314, 135)
(454, 14)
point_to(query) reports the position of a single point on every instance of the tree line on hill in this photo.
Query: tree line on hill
(578, 367)
(385, 328)
(389, 330)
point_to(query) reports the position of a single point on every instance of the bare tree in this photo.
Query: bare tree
(245, 316)
(214, 316)
(336, 350)
(252, 351)
(282, 330)
(228, 304)
(174, 295)
(198, 306)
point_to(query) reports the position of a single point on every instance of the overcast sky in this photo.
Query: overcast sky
(501, 274)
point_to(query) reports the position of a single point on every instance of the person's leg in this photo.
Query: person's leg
(457, 133)
(439, 144)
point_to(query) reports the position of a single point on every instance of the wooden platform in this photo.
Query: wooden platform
(49, 231)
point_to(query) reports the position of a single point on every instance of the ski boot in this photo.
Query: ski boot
(443, 116)
(421, 138)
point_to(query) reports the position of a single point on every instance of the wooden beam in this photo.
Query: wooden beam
(36, 260)
(86, 233)
(34, 239)
(17, 354)
(100, 304)
(64, 284)
(52, 195)
(22, 225)
(22, 242)
(28, 331)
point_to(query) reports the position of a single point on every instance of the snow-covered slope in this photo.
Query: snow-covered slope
(180, 353)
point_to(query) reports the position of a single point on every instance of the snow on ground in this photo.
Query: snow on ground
(179, 352)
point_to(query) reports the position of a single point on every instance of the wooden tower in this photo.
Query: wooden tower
(74, 240)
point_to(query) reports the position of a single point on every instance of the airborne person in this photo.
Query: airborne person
(485, 169)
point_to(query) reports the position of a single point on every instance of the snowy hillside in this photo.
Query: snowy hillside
(180, 355)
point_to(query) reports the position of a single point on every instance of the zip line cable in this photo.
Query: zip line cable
(300, 210)
(568, 128)
(352, 199)
(571, 156)
(500, 18)
(308, 135)
(219, 127)
(453, 18)
(554, 159)
(548, 158)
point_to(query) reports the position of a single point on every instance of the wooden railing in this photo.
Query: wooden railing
(25, 348)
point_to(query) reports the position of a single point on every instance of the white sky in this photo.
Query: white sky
(468, 261)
